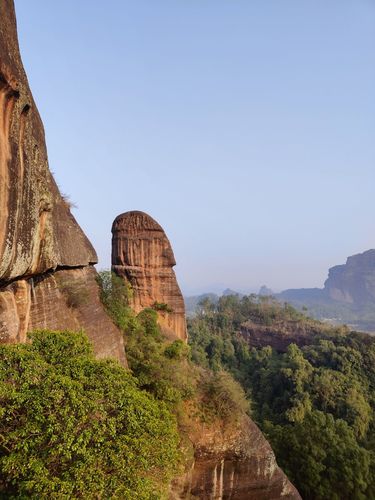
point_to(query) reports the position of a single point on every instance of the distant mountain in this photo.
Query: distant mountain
(192, 302)
(348, 295)
(265, 291)
(229, 291)
(353, 282)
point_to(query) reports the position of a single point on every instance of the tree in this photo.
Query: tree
(323, 459)
(75, 427)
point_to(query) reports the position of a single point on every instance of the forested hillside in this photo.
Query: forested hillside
(314, 403)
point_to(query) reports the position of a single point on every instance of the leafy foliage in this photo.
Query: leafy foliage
(223, 397)
(162, 306)
(164, 368)
(316, 404)
(115, 294)
(75, 427)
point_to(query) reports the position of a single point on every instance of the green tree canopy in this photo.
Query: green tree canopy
(75, 427)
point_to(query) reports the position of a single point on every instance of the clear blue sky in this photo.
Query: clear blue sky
(246, 128)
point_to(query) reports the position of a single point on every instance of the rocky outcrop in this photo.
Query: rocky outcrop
(229, 460)
(350, 283)
(348, 296)
(41, 244)
(142, 255)
(353, 282)
(281, 334)
(232, 462)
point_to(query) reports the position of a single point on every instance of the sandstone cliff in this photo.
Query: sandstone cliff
(280, 334)
(45, 258)
(47, 280)
(350, 283)
(232, 462)
(353, 282)
(142, 254)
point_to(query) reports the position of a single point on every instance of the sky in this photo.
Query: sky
(245, 128)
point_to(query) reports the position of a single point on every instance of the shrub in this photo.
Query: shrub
(115, 294)
(162, 306)
(161, 368)
(75, 427)
(177, 350)
(223, 397)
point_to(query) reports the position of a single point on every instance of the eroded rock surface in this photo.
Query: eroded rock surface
(38, 233)
(235, 463)
(142, 254)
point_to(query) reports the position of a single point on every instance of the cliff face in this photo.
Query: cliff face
(279, 335)
(142, 254)
(350, 283)
(47, 280)
(353, 282)
(232, 462)
(38, 234)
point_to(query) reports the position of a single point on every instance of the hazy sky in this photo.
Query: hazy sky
(245, 128)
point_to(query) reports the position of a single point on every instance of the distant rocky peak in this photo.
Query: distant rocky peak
(353, 282)
(265, 291)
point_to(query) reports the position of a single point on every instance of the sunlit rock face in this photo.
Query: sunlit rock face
(142, 254)
(38, 233)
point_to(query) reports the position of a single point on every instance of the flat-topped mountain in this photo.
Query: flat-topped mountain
(348, 295)
(353, 282)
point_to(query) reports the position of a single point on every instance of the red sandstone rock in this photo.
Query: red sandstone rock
(142, 254)
(47, 281)
(235, 463)
(38, 234)
(279, 335)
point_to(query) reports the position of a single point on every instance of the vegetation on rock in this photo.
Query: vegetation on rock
(164, 368)
(315, 404)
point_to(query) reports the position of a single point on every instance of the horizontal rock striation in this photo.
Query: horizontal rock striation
(142, 255)
(66, 299)
(38, 233)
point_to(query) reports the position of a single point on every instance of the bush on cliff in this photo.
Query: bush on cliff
(75, 427)
(164, 368)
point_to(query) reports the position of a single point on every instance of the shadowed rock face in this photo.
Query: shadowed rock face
(353, 282)
(281, 334)
(38, 234)
(235, 463)
(142, 254)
